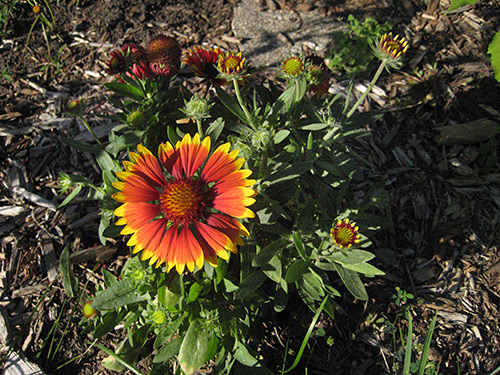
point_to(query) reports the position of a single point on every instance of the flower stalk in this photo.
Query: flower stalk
(242, 103)
(361, 99)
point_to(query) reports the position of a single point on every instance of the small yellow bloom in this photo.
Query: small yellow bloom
(36, 9)
(345, 234)
(393, 47)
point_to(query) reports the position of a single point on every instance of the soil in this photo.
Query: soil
(443, 232)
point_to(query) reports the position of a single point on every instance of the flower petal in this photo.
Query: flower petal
(217, 240)
(221, 163)
(146, 165)
(135, 215)
(134, 189)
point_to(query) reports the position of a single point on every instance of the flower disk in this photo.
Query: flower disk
(293, 66)
(164, 56)
(393, 47)
(345, 234)
(181, 207)
(232, 65)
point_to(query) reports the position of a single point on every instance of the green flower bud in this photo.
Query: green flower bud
(137, 119)
(159, 317)
(138, 275)
(197, 108)
(261, 138)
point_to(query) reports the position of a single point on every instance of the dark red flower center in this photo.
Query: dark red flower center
(185, 201)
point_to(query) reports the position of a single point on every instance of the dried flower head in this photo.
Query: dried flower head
(345, 234)
(130, 58)
(204, 63)
(293, 66)
(164, 55)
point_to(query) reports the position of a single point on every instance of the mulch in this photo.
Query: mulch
(435, 151)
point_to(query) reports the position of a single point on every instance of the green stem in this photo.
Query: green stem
(368, 89)
(200, 128)
(242, 103)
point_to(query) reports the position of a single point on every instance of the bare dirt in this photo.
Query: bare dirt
(436, 150)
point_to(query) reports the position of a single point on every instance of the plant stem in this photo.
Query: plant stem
(368, 89)
(92, 132)
(200, 128)
(242, 103)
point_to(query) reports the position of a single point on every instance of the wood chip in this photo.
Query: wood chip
(5, 332)
(97, 253)
(49, 257)
(17, 364)
(34, 198)
(11, 210)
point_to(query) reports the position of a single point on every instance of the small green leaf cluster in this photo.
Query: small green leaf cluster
(349, 55)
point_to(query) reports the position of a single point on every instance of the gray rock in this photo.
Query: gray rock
(269, 36)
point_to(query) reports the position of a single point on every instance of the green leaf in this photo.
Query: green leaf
(168, 350)
(351, 257)
(69, 280)
(243, 356)
(290, 172)
(215, 129)
(265, 255)
(273, 269)
(314, 127)
(194, 291)
(299, 245)
(194, 347)
(494, 51)
(109, 278)
(280, 300)
(296, 270)
(120, 294)
(231, 104)
(352, 282)
(364, 268)
(312, 285)
(71, 195)
(125, 89)
(250, 284)
(455, 4)
(281, 135)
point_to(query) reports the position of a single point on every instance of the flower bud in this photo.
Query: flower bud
(137, 119)
(197, 108)
(159, 317)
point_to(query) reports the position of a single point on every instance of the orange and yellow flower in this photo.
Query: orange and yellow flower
(204, 63)
(345, 234)
(181, 207)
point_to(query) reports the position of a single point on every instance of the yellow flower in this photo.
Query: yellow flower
(345, 234)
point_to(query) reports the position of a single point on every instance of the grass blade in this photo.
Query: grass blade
(113, 354)
(307, 336)
(427, 344)
(409, 342)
